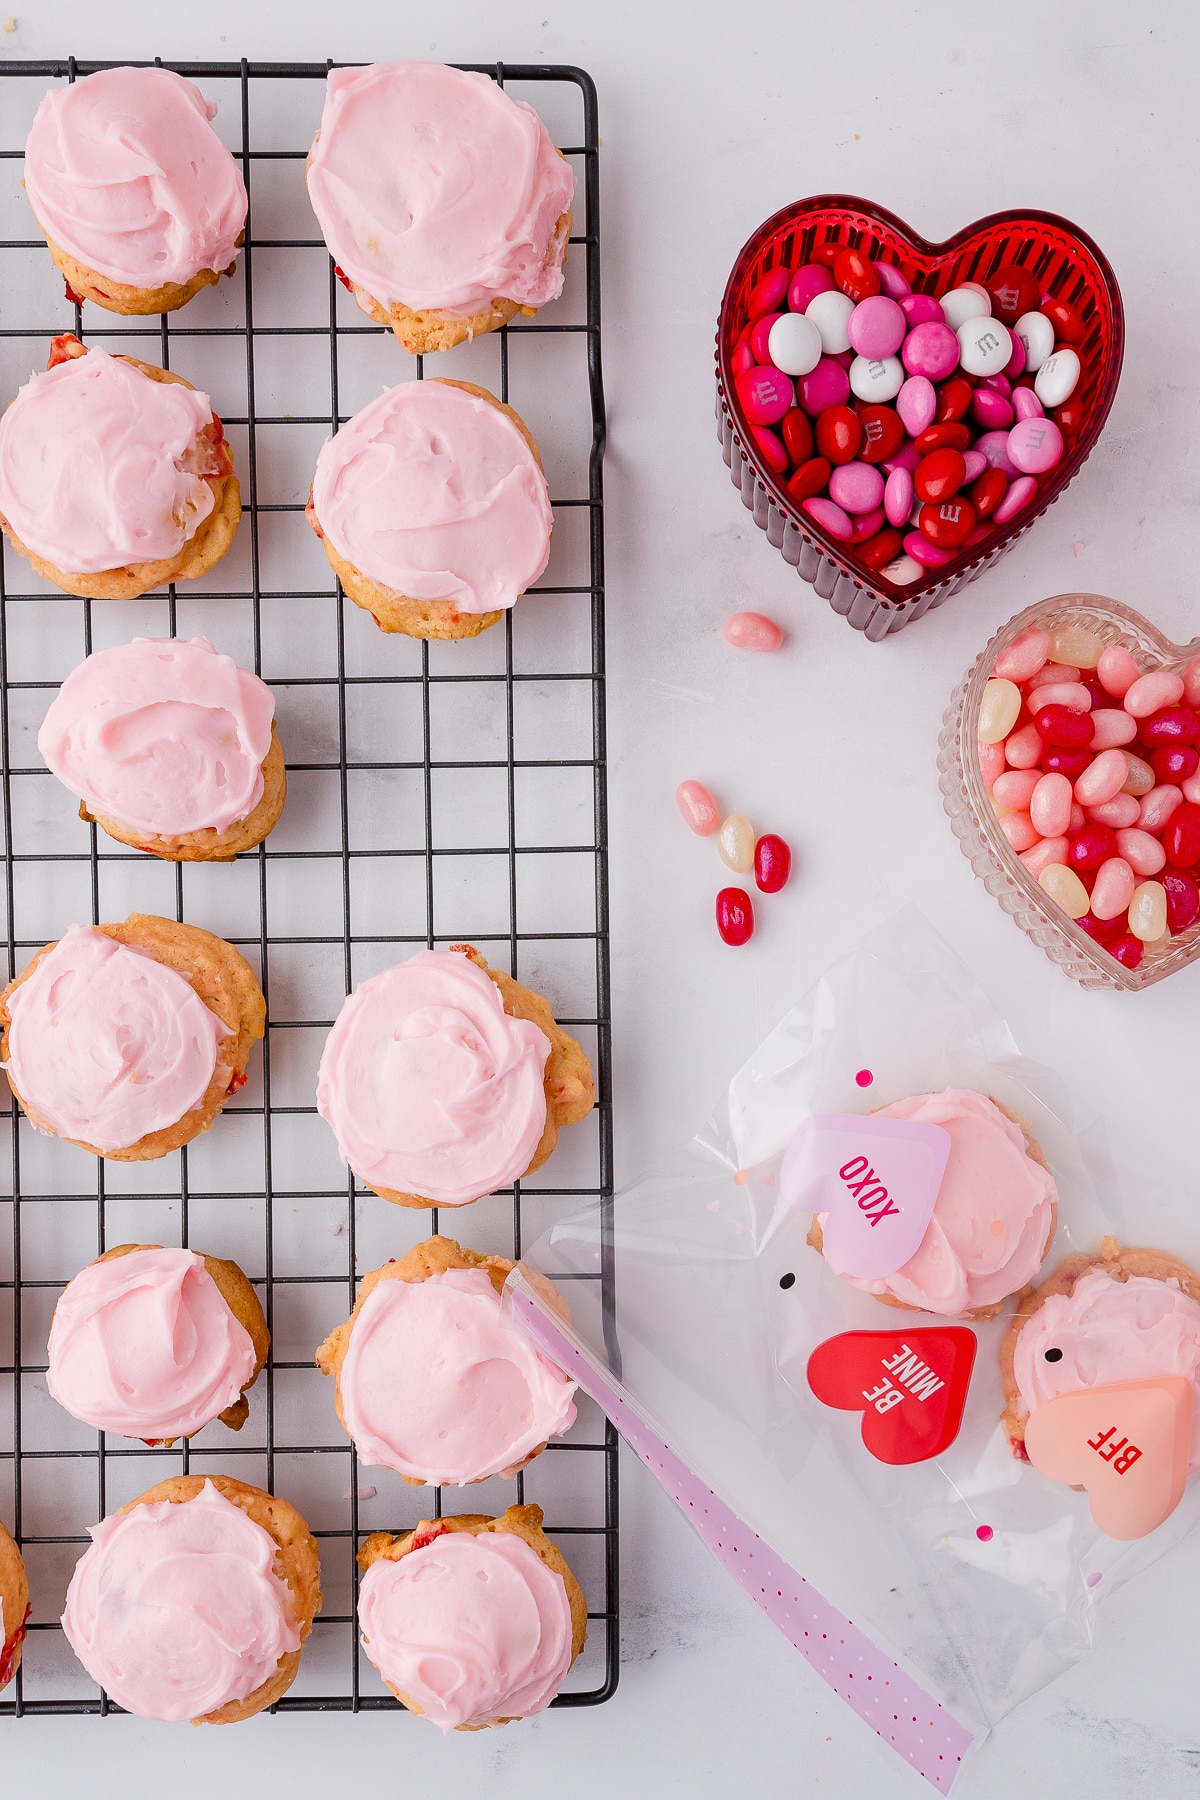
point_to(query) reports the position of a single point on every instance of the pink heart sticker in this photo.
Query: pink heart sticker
(875, 1178)
(1127, 1443)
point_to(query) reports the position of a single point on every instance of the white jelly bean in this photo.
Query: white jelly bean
(735, 843)
(794, 344)
(830, 313)
(1057, 378)
(998, 710)
(1148, 911)
(985, 346)
(967, 302)
(1141, 777)
(1076, 645)
(1065, 889)
(1037, 334)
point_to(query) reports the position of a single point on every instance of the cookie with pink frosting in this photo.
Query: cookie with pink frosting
(115, 476)
(471, 1621)
(993, 1219)
(170, 747)
(195, 1600)
(433, 508)
(434, 1380)
(1123, 1314)
(444, 203)
(443, 1080)
(138, 199)
(128, 1039)
(155, 1343)
(14, 1606)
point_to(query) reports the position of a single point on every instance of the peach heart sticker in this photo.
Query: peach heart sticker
(1127, 1443)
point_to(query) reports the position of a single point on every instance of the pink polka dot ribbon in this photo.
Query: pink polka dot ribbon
(895, 1707)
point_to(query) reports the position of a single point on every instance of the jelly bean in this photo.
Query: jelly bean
(1016, 363)
(765, 395)
(770, 447)
(924, 551)
(1191, 682)
(830, 517)
(1024, 748)
(994, 445)
(1013, 790)
(1020, 493)
(735, 916)
(990, 410)
(735, 843)
(856, 487)
(991, 762)
(1104, 780)
(903, 571)
(951, 436)
(838, 434)
(1077, 821)
(827, 385)
(999, 707)
(810, 479)
(855, 275)
(1174, 762)
(878, 380)
(1027, 653)
(793, 343)
(970, 301)
(1065, 889)
(891, 281)
(987, 492)
(767, 294)
(1040, 856)
(1070, 763)
(877, 327)
(939, 475)
(700, 811)
(1014, 291)
(1144, 854)
(1067, 322)
(807, 283)
(917, 403)
(1113, 888)
(948, 523)
(1119, 813)
(1140, 778)
(1171, 725)
(1065, 725)
(1021, 832)
(931, 350)
(1117, 670)
(1148, 912)
(826, 254)
(1035, 445)
(1151, 692)
(1126, 950)
(866, 525)
(1181, 839)
(1037, 335)
(1191, 788)
(976, 465)
(743, 359)
(1076, 645)
(1112, 726)
(1183, 900)
(953, 401)
(1050, 676)
(984, 346)
(830, 313)
(882, 433)
(797, 435)
(752, 631)
(1057, 378)
(1157, 806)
(1026, 405)
(772, 863)
(1092, 845)
(898, 496)
(1050, 805)
(882, 549)
(1061, 693)
(922, 309)
(760, 343)
(1105, 931)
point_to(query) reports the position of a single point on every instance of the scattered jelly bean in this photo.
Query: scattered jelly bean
(882, 433)
(991, 762)
(773, 863)
(1021, 832)
(1140, 778)
(765, 395)
(1144, 854)
(700, 811)
(1024, 748)
(964, 303)
(1021, 660)
(984, 346)
(831, 517)
(1050, 805)
(1092, 845)
(1078, 818)
(735, 916)
(1064, 725)
(1112, 726)
(752, 631)
(1156, 807)
(1181, 837)
(1103, 779)
(830, 313)
(767, 294)
(1072, 694)
(735, 843)
(1120, 813)
(1057, 378)
(931, 350)
(811, 478)
(827, 385)
(770, 448)
(1050, 850)
(1035, 446)
(1113, 888)
(856, 487)
(1020, 493)
(1148, 912)
(922, 309)
(1076, 645)
(1013, 790)
(1065, 889)
(794, 343)
(1117, 670)
(1026, 405)
(898, 496)
(1150, 692)
(1183, 900)
(809, 281)
(1036, 333)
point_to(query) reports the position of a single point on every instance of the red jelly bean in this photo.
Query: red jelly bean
(810, 479)
(1014, 291)
(1069, 416)
(1070, 763)
(1183, 900)
(1127, 950)
(797, 435)
(1067, 322)
(838, 434)
(1091, 846)
(1181, 839)
(939, 475)
(882, 433)
(882, 550)
(825, 254)
(1105, 931)
(772, 863)
(1171, 725)
(1063, 726)
(954, 398)
(855, 275)
(735, 916)
(1174, 763)
(942, 437)
(987, 492)
(948, 525)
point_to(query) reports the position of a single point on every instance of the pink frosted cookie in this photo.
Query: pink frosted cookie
(445, 205)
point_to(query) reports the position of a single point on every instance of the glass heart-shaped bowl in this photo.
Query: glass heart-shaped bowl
(977, 828)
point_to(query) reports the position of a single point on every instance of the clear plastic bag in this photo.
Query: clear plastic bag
(711, 1347)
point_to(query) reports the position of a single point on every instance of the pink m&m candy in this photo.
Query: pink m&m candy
(931, 350)
(701, 813)
(807, 283)
(891, 281)
(752, 631)
(767, 295)
(922, 309)
(827, 385)
(1026, 405)
(898, 496)
(831, 516)
(766, 394)
(1034, 445)
(857, 487)
(994, 445)
(917, 404)
(876, 328)
(1018, 494)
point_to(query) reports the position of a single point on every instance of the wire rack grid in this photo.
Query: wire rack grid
(438, 793)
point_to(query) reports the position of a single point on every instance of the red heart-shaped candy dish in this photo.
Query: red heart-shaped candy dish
(910, 1386)
(1064, 262)
(1126, 1444)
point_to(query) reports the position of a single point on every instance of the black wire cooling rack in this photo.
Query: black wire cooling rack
(438, 793)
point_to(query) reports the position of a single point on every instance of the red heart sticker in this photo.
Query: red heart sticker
(910, 1386)
(1127, 1443)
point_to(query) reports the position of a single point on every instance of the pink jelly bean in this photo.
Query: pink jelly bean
(1035, 445)
(752, 631)
(807, 283)
(1191, 682)
(898, 496)
(922, 309)
(1024, 748)
(857, 487)
(876, 327)
(1111, 726)
(990, 411)
(991, 762)
(918, 546)
(701, 813)
(1020, 493)
(917, 405)
(1191, 788)
(1078, 819)
(831, 516)
(1025, 403)
(1016, 363)
(767, 295)
(1117, 671)
(1150, 692)
(1144, 854)
(891, 281)
(1014, 790)
(1021, 832)
(759, 336)
(1025, 656)
(766, 394)
(1114, 887)
(1052, 674)
(907, 457)
(1050, 805)
(1040, 856)
(826, 385)
(770, 448)
(931, 350)
(1156, 807)
(994, 445)
(1119, 813)
(975, 465)
(1063, 693)
(1104, 779)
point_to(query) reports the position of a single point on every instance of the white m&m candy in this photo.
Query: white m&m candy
(1057, 378)
(830, 313)
(985, 347)
(967, 302)
(876, 379)
(1037, 334)
(794, 344)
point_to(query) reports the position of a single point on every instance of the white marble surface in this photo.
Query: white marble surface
(713, 116)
